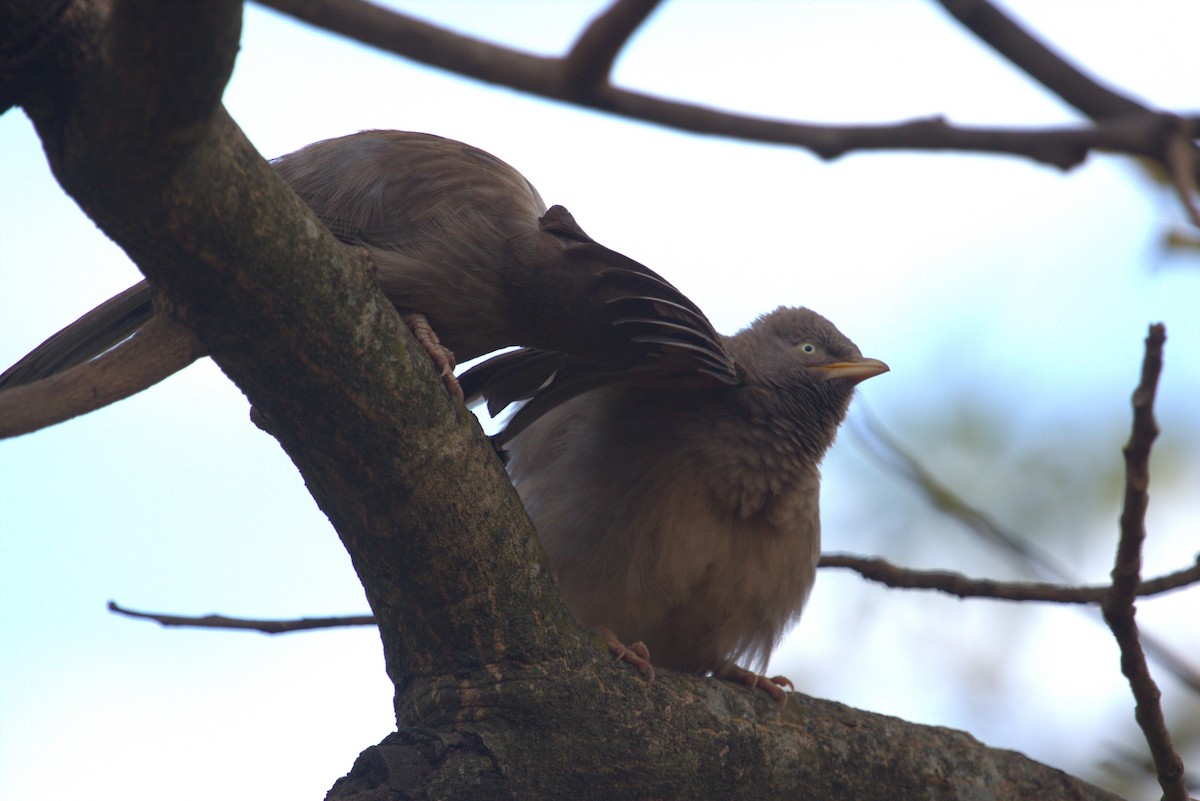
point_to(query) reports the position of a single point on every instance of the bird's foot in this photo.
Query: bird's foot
(442, 357)
(772, 686)
(637, 654)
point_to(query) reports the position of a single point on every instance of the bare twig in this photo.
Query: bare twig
(1035, 59)
(888, 451)
(1118, 604)
(264, 626)
(1063, 147)
(877, 570)
(961, 586)
(162, 346)
(588, 65)
(894, 456)
(1084, 92)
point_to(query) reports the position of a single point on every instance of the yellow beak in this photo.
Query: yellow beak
(855, 371)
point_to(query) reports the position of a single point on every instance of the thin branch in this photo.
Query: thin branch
(888, 452)
(591, 59)
(245, 624)
(1082, 91)
(1118, 604)
(162, 346)
(1030, 55)
(877, 570)
(549, 77)
(960, 586)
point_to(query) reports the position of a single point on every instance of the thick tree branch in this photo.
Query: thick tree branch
(1118, 604)
(26, 27)
(298, 323)
(728, 750)
(556, 78)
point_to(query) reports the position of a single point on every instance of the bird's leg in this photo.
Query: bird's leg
(771, 686)
(443, 359)
(637, 654)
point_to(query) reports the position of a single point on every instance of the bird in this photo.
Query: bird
(683, 518)
(670, 472)
(467, 251)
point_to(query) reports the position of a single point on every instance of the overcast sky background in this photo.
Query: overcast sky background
(1010, 300)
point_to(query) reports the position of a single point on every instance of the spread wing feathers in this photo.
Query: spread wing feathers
(92, 334)
(545, 379)
(511, 377)
(643, 312)
(648, 332)
(659, 338)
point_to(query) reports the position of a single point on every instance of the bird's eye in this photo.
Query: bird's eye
(808, 347)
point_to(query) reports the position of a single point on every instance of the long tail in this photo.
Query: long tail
(95, 332)
(116, 350)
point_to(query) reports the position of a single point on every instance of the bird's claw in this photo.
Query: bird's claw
(772, 686)
(637, 654)
(443, 358)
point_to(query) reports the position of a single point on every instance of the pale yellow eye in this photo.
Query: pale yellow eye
(808, 347)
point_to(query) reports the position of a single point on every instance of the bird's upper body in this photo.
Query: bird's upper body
(671, 473)
(688, 517)
(464, 240)
(448, 226)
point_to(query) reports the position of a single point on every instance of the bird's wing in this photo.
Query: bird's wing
(633, 327)
(404, 191)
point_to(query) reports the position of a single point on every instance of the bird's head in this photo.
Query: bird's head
(798, 373)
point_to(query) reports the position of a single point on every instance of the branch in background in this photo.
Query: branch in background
(961, 586)
(1118, 604)
(893, 456)
(873, 569)
(245, 624)
(1029, 54)
(888, 451)
(565, 80)
(590, 62)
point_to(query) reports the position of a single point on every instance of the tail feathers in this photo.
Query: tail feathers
(89, 336)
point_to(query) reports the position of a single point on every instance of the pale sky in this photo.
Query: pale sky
(987, 283)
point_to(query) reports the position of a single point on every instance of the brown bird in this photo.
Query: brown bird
(673, 478)
(464, 247)
(685, 518)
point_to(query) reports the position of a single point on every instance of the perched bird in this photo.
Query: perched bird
(671, 473)
(684, 517)
(466, 250)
